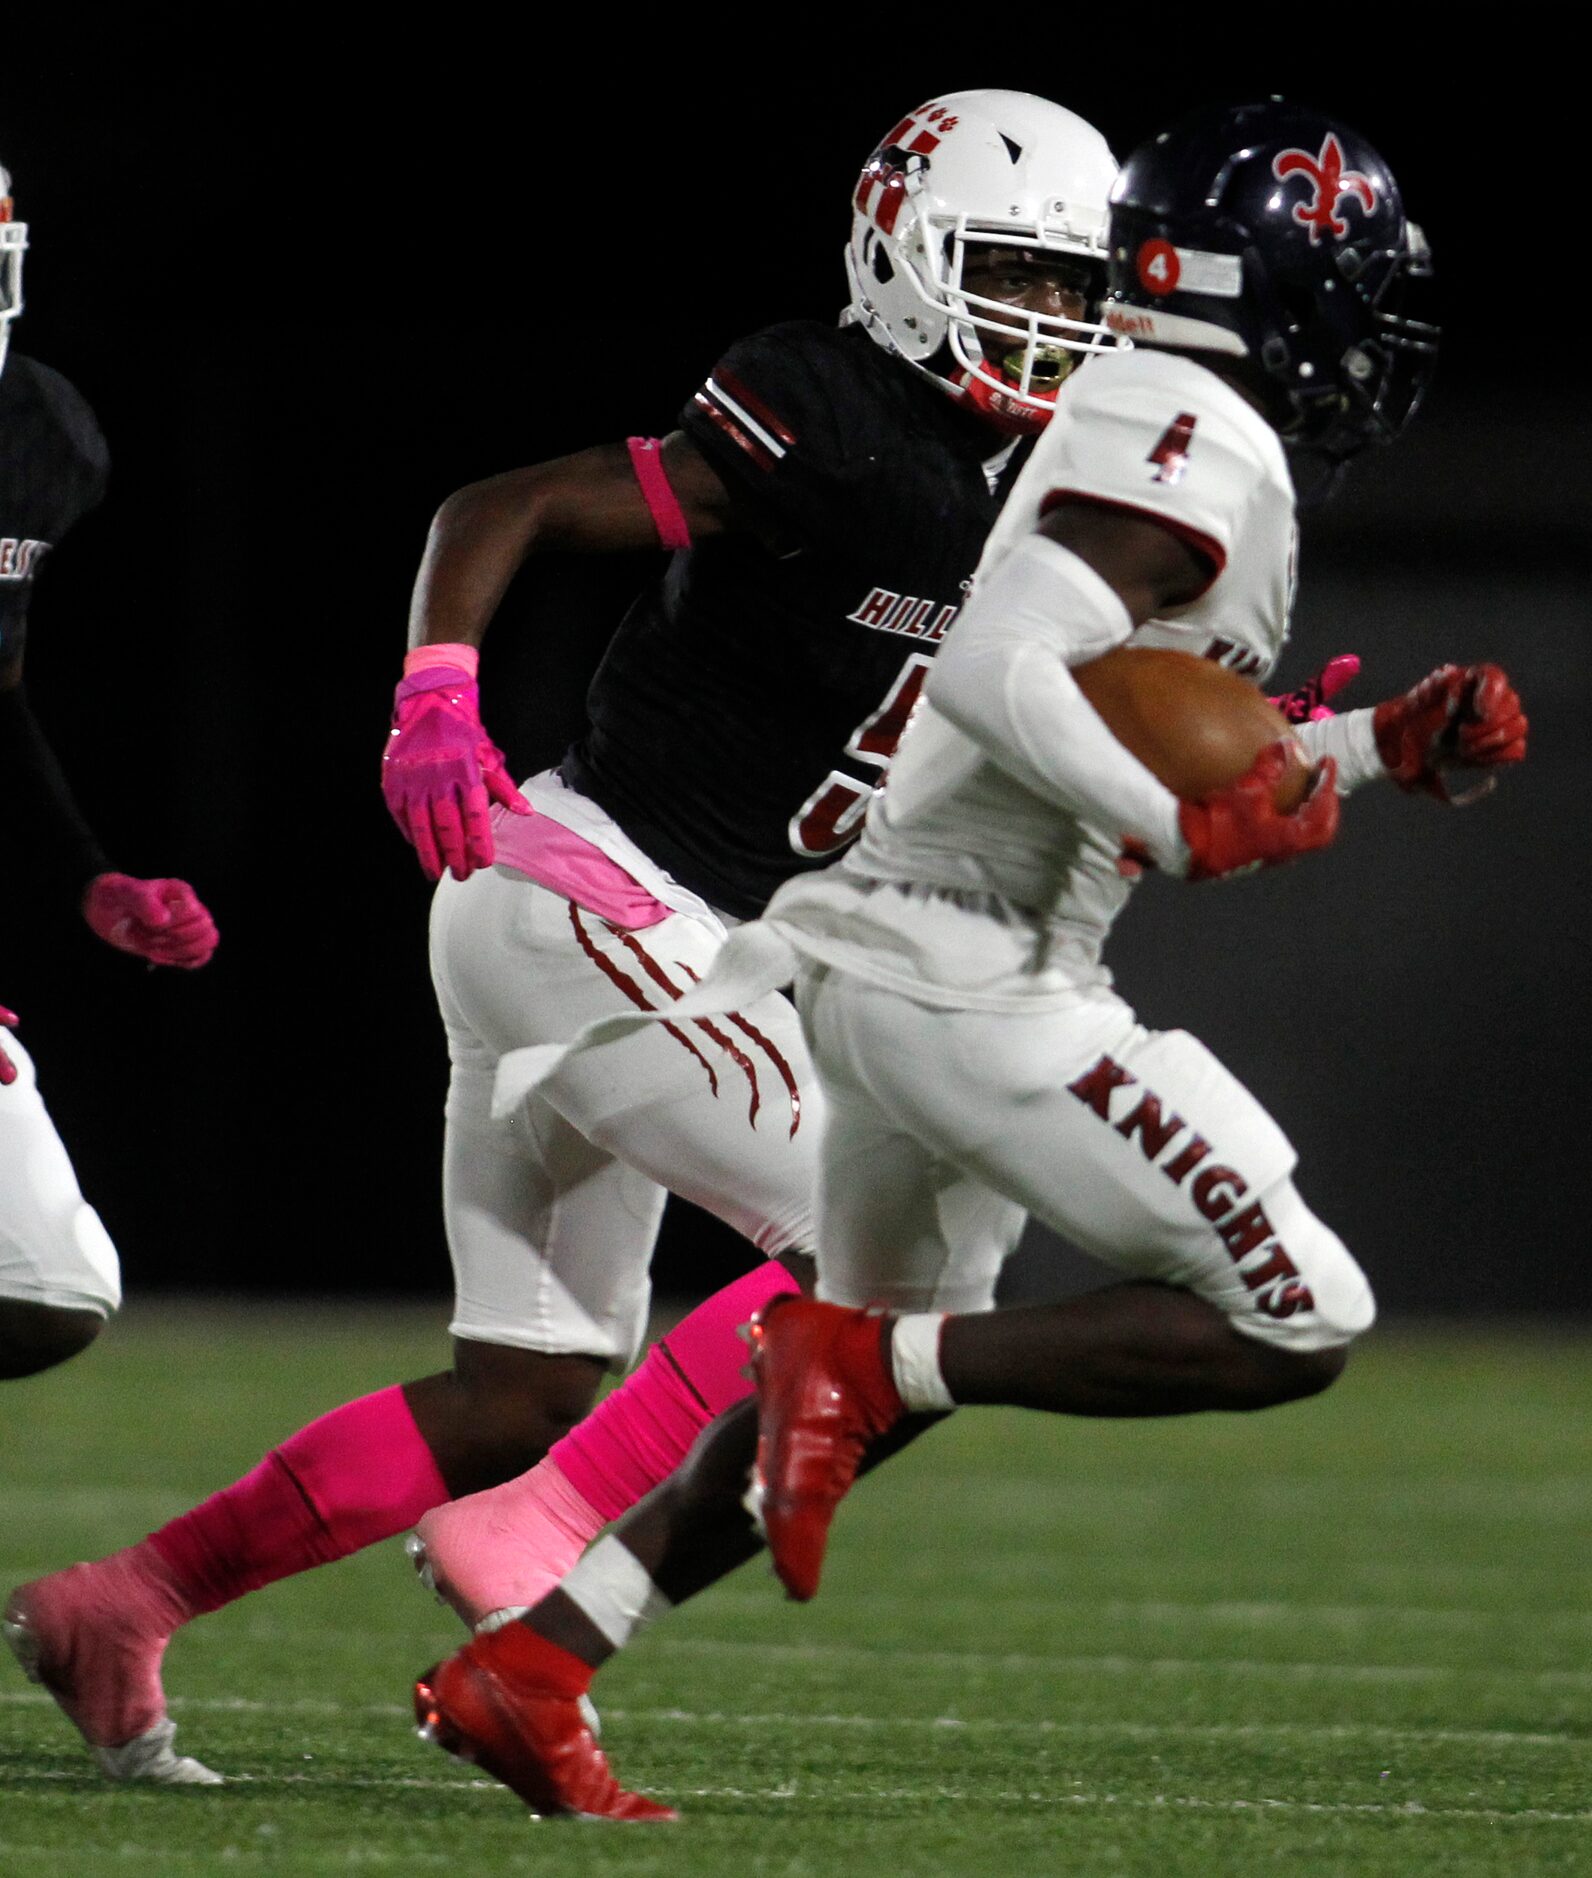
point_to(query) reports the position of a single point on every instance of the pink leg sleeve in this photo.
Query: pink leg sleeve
(359, 1474)
(640, 1433)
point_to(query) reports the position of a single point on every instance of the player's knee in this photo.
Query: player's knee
(1307, 1372)
(517, 1403)
(1315, 1309)
(37, 1337)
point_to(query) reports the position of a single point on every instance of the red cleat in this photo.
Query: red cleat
(501, 1703)
(824, 1393)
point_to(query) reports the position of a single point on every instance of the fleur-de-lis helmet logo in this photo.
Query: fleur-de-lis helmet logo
(1330, 184)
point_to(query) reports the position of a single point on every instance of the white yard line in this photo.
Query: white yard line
(1064, 1610)
(1104, 1663)
(1371, 1809)
(715, 1718)
(1116, 1665)
(984, 1797)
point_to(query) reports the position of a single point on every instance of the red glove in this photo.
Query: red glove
(8, 1069)
(1458, 717)
(1240, 828)
(163, 921)
(1309, 701)
(441, 770)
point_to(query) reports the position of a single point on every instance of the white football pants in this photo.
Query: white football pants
(53, 1248)
(946, 1127)
(551, 1214)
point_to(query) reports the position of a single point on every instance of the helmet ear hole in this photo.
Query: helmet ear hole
(879, 260)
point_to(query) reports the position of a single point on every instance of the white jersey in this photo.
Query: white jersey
(968, 887)
(1157, 434)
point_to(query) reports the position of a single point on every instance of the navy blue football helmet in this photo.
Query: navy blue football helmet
(1277, 238)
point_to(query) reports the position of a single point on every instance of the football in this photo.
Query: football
(1191, 722)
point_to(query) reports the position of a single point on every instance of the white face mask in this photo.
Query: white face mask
(13, 243)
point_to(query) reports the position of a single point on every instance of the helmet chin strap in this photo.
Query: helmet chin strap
(1001, 409)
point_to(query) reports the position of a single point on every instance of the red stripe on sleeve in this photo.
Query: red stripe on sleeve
(764, 459)
(743, 395)
(1205, 546)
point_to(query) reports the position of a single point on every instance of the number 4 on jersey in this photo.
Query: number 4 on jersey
(1170, 455)
(832, 815)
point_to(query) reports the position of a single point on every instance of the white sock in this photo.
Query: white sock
(915, 1361)
(615, 1591)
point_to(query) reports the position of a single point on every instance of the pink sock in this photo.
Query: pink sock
(640, 1433)
(359, 1474)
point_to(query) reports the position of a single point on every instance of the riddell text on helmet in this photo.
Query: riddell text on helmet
(1214, 1190)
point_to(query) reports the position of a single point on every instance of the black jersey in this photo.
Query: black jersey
(53, 464)
(751, 700)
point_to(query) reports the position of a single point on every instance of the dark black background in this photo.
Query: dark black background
(312, 281)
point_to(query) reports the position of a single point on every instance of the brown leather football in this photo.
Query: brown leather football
(1191, 722)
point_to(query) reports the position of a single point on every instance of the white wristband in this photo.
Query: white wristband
(1350, 738)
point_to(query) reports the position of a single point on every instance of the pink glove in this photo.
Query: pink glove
(1309, 702)
(8, 1069)
(441, 771)
(163, 921)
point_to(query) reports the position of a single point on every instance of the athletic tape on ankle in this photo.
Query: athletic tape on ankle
(915, 1361)
(615, 1591)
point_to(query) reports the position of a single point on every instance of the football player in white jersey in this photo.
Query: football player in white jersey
(977, 1064)
(60, 1278)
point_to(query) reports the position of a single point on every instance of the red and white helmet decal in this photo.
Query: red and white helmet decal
(1330, 183)
(882, 184)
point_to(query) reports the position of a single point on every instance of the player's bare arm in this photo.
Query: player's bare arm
(588, 503)
(160, 921)
(441, 773)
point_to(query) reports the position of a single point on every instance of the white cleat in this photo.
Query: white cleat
(149, 1757)
(146, 1757)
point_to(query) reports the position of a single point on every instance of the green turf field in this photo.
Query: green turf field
(1348, 1637)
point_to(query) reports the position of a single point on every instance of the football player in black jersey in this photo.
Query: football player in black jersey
(950, 974)
(58, 1269)
(826, 494)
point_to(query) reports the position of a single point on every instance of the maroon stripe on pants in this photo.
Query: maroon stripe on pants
(632, 990)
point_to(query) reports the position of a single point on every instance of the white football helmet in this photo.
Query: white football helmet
(970, 171)
(13, 240)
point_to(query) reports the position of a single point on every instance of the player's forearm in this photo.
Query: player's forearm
(479, 539)
(1003, 679)
(1021, 705)
(37, 808)
(588, 503)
